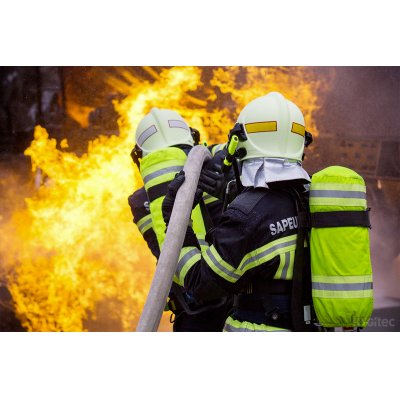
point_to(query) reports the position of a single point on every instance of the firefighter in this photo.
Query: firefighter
(163, 140)
(252, 250)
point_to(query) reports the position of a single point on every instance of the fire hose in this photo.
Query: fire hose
(168, 260)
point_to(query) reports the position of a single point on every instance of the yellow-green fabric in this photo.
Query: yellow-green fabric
(187, 258)
(283, 247)
(233, 325)
(160, 167)
(144, 224)
(340, 257)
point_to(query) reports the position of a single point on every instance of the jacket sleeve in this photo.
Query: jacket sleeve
(214, 273)
(138, 202)
(243, 250)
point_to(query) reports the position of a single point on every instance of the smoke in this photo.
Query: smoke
(363, 103)
(14, 188)
(385, 245)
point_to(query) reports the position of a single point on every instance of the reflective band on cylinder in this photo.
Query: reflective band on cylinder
(348, 187)
(342, 194)
(342, 286)
(150, 131)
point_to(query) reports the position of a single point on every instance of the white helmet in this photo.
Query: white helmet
(162, 128)
(273, 127)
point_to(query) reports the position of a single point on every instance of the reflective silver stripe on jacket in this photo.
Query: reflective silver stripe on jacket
(230, 328)
(150, 131)
(266, 252)
(286, 266)
(182, 262)
(160, 172)
(220, 268)
(144, 224)
(202, 242)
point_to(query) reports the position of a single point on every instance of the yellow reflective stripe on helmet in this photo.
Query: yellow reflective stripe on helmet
(219, 266)
(267, 252)
(207, 198)
(187, 258)
(285, 269)
(342, 287)
(233, 325)
(144, 224)
(268, 126)
(298, 129)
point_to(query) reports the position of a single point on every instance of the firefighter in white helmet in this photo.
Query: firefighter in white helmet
(252, 250)
(163, 140)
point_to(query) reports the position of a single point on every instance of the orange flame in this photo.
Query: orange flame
(73, 248)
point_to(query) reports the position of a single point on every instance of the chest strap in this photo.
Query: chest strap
(157, 191)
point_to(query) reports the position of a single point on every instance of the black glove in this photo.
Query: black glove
(169, 200)
(212, 179)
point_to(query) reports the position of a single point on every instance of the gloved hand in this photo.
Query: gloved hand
(169, 200)
(212, 179)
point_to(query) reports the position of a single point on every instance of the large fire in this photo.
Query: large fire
(72, 255)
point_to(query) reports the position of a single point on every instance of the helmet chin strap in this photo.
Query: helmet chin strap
(137, 155)
(308, 138)
(195, 135)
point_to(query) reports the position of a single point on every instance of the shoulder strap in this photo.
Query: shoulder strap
(208, 223)
(157, 191)
(301, 281)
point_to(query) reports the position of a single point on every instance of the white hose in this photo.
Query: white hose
(168, 260)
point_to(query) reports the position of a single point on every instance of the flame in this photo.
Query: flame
(79, 113)
(72, 249)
